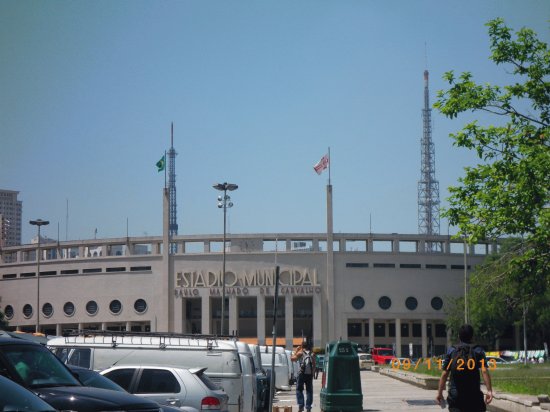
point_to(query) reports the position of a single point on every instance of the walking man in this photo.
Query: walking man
(463, 363)
(306, 359)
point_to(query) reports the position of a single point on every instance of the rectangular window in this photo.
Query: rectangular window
(410, 266)
(392, 330)
(119, 269)
(384, 265)
(354, 329)
(417, 330)
(94, 270)
(404, 330)
(367, 333)
(380, 330)
(139, 268)
(440, 330)
(436, 266)
(69, 272)
(357, 265)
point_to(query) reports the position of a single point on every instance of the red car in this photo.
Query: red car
(381, 356)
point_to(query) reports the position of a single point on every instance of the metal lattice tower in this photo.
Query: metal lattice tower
(428, 186)
(173, 225)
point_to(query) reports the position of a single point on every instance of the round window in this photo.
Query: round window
(140, 306)
(437, 303)
(8, 311)
(27, 311)
(91, 307)
(115, 307)
(358, 302)
(411, 303)
(68, 309)
(384, 302)
(47, 309)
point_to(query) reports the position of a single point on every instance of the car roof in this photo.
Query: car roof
(4, 340)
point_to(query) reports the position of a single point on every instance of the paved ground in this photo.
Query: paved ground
(380, 393)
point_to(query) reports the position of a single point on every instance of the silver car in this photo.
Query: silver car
(170, 386)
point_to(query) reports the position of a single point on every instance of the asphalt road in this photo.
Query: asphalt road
(380, 393)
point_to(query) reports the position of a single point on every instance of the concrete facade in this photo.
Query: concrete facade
(387, 290)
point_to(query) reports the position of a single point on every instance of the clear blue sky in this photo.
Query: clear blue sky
(257, 91)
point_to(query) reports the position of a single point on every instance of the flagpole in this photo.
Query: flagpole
(165, 170)
(329, 165)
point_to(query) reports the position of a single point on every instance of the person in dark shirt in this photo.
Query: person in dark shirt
(462, 364)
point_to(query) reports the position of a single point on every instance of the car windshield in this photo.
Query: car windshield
(38, 367)
(385, 352)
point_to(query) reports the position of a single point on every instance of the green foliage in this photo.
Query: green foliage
(507, 193)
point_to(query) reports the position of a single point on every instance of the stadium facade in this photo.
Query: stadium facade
(377, 289)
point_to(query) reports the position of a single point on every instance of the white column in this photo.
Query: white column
(58, 331)
(424, 338)
(233, 314)
(318, 320)
(205, 315)
(260, 319)
(398, 337)
(289, 320)
(449, 337)
(371, 333)
(128, 326)
(180, 324)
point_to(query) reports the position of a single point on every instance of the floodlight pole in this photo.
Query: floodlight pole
(39, 223)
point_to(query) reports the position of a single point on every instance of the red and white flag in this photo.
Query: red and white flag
(322, 164)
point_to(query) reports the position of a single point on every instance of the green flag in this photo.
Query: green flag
(161, 164)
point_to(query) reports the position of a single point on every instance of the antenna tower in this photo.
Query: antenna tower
(428, 186)
(172, 223)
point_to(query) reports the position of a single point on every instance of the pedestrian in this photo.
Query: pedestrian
(305, 357)
(463, 364)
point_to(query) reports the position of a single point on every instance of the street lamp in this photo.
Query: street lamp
(224, 202)
(39, 223)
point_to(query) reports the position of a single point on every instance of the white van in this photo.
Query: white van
(282, 371)
(249, 377)
(101, 350)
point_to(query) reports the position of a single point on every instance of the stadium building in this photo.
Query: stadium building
(376, 289)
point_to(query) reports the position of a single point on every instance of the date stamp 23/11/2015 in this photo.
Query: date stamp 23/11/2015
(461, 364)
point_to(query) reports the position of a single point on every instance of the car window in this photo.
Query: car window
(37, 366)
(80, 357)
(122, 377)
(157, 381)
(207, 381)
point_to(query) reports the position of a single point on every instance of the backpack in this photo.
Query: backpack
(306, 364)
(464, 392)
(463, 359)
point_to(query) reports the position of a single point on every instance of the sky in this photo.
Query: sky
(257, 92)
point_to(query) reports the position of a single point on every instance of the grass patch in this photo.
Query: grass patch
(517, 378)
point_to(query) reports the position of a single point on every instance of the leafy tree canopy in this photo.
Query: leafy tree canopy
(507, 193)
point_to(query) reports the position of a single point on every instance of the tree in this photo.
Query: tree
(507, 193)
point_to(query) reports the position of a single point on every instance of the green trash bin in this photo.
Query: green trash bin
(341, 386)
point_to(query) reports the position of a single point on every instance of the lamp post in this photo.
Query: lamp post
(224, 202)
(39, 223)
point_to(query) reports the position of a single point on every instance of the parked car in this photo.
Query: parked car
(20, 399)
(102, 349)
(365, 360)
(96, 380)
(262, 380)
(381, 356)
(282, 371)
(170, 386)
(34, 367)
(250, 400)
